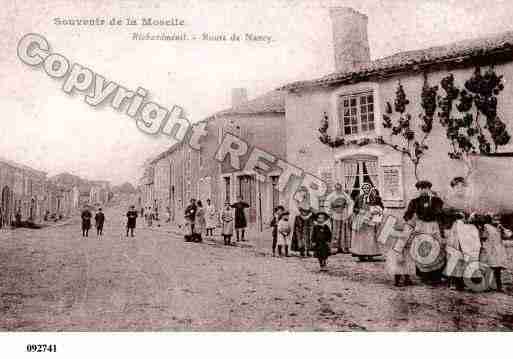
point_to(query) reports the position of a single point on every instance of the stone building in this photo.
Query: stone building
(81, 195)
(99, 193)
(27, 191)
(171, 179)
(258, 122)
(182, 173)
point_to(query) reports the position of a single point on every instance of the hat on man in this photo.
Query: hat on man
(423, 184)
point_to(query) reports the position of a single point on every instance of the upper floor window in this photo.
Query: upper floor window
(356, 113)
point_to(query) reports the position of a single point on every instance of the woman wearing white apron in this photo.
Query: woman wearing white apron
(368, 209)
(423, 214)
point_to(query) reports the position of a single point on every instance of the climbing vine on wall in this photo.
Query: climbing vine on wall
(466, 128)
(412, 143)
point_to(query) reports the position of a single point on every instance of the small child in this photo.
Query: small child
(321, 238)
(283, 233)
(493, 252)
(227, 222)
(274, 225)
(399, 262)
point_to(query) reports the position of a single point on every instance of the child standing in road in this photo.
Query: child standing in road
(399, 262)
(274, 225)
(227, 222)
(321, 238)
(283, 234)
(493, 253)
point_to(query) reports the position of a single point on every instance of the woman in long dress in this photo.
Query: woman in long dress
(340, 207)
(462, 240)
(366, 213)
(211, 218)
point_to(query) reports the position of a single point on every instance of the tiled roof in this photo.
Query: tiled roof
(164, 154)
(22, 167)
(460, 51)
(271, 102)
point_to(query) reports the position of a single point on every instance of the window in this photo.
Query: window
(356, 113)
(227, 189)
(358, 172)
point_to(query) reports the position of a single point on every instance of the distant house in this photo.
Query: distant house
(182, 173)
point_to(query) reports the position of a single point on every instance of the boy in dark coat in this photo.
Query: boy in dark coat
(131, 216)
(99, 218)
(86, 221)
(321, 238)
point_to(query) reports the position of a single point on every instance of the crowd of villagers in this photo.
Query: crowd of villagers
(461, 238)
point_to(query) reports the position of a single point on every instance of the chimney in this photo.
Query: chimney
(239, 96)
(350, 41)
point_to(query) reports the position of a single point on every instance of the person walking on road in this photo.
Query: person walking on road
(131, 216)
(99, 218)
(86, 221)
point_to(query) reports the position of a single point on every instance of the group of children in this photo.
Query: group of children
(311, 231)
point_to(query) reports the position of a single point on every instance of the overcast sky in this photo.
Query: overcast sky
(47, 129)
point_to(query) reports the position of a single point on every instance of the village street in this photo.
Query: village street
(53, 280)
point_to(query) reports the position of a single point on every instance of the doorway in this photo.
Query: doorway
(6, 206)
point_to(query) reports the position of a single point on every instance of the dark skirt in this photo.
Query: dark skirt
(240, 222)
(322, 250)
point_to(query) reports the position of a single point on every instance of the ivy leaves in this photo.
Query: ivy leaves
(466, 133)
(414, 148)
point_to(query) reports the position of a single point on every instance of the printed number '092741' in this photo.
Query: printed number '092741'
(52, 348)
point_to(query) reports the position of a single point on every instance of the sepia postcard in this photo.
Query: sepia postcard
(266, 166)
